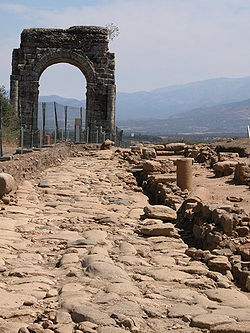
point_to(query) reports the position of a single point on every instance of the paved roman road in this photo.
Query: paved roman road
(70, 261)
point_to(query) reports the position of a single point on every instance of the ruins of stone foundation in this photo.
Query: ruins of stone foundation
(104, 239)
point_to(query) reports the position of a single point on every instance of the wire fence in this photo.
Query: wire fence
(61, 121)
(55, 123)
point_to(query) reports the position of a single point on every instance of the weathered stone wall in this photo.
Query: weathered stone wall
(84, 47)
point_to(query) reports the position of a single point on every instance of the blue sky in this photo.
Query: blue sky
(161, 42)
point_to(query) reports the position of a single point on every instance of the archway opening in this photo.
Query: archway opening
(62, 103)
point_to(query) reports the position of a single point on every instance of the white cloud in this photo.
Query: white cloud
(13, 8)
(164, 42)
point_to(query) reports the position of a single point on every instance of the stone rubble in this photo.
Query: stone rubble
(83, 250)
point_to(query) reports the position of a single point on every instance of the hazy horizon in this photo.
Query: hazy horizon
(159, 88)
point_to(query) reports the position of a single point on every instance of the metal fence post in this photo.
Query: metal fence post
(56, 120)
(22, 129)
(87, 135)
(81, 124)
(97, 135)
(65, 120)
(43, 125)
(100, 134)
(55, 139)
(41, 139)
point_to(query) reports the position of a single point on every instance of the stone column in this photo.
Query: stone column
(28, 100)
(90, 111)
(184, 173)
(111, 91)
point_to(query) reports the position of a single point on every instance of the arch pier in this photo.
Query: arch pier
(85, 47)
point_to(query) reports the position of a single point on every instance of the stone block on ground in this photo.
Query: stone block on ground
(176, 146)
(225, 168)
(107, 144)
(136, 149)
(199, 194)
(229, 297)
(228, 156)
(148, 153)
(210, 320)
(241, 173)
(164, 178)
(161, 212)
(7, 183)
(219, 264)
(159, 147)
(157, 228)
(242, 327)
(151, 166)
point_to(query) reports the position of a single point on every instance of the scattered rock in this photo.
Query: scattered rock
(225, 168)
(219, 264)
(161, 212)
(229, 297)
(157, 228)
(7, 183)
(210, 320)
(242, 327)
(107, 144)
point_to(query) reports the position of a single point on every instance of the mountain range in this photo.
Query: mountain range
(213, 105)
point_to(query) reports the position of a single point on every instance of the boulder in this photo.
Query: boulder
(248, 283)
(91, 313)
(159, 147)
(199, 194)
(228, 297)
(7, 183)
(228, 156)
(226, 222)
(242, 327)
(165, 153)
(148, 153)
(107, 144)
(136, 149)
(219, 264)
(161, 212)
(225, 168)
(157, 228)
(177, 146)
(151, 166)
(241, 173)
(164, 178)
(210, 320)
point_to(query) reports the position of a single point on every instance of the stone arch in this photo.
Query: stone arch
(83, 47)
(79, 61)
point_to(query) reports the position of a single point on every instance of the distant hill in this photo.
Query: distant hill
(62, 100)
(224, 118)
(161, 103)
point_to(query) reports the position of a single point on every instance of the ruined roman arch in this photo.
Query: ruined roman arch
(85, 47)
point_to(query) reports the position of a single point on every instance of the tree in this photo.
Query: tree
(113, 31)
(10, 121)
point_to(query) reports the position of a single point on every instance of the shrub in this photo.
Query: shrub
(10, 121)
